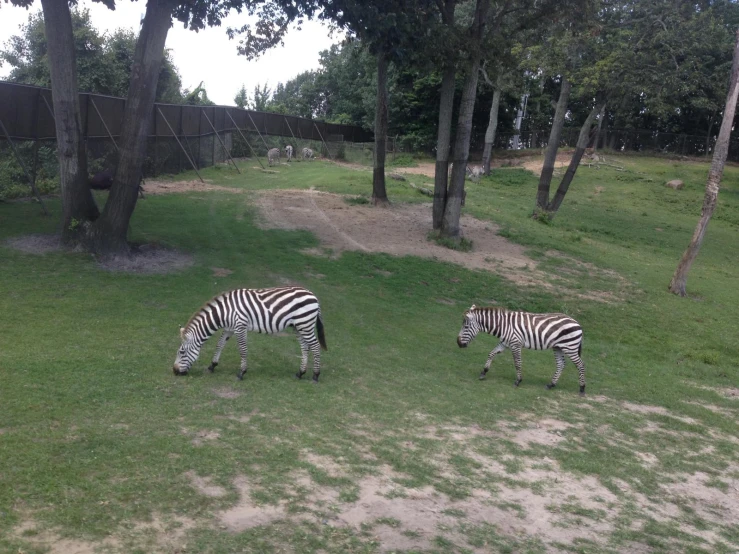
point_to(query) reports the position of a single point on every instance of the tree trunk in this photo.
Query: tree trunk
(379, 193)
(550, 154)
(453, 208)
(680, 278)
(443, 143)
(601, 116)
(109, 234)
(78, 204)
(582, 144)
(490, 132)
(708, 134)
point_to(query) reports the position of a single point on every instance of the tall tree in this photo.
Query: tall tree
(103, 61)
(78, 205)
(446, 109)
(550, 154)
(109, 234)
(242, 98)
(453, 206)
(713, 183)
(388, 27)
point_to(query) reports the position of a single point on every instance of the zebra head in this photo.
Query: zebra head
(187, 354)
(470, 328)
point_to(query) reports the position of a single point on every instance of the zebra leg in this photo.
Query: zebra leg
(560, 359)
(497, 350)
(303, 358)
(241, 338)
(516, 351)
(219, 348)
(316, 350)
(577, 360)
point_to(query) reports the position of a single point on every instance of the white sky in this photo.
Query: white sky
(207, 56)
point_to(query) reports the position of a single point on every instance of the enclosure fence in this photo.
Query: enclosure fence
(180, 136)
(624, 140)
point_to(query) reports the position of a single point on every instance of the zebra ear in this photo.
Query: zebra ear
(473, 307)
(182, 333)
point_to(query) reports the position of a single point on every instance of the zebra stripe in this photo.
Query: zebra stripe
(262, 310)
(517, 330)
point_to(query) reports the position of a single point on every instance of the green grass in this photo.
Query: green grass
(96, 435)
(463, 244)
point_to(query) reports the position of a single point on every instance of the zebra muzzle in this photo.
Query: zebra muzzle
(460, 343)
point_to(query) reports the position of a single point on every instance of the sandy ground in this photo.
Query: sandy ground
(401, 230)
(534, 502)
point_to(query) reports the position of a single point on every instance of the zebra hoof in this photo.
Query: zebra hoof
(582, 390)
(482, 377)
(550, 386)
(212, 366)
(516, 383)
(298, 375)
(240, 376)
(315, 379)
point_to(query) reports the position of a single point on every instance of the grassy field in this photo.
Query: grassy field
(400, 447)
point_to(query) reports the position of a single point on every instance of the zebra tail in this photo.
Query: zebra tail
(321, 336)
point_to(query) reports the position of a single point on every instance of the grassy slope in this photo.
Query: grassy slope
(97, 433)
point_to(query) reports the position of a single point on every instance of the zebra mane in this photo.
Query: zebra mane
(198, 312)
(482, 309)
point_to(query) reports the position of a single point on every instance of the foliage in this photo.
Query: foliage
(242, 98)
(198, 97)
(103, 61)
(261, 97)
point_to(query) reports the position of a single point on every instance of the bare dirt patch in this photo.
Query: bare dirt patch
(160, 534)
(205, 486)
(401, 230)
(148, 259)
(35, 244)
(535, 165)
(168, 187)
(225, 392)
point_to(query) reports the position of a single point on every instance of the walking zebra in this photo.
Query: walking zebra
(517, 330)
(261, 310)
(307, 153)
(272, 155)
(289, 152)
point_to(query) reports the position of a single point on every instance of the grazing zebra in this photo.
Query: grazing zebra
(272, 155)
(289, 152)
(307, 153)
(261, 310)
(517, 330)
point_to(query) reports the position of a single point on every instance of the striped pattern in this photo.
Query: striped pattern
(307, 153)
(261, 310)
(518, 330)
(273, 156)
(289, 152)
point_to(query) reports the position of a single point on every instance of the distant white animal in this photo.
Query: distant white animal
(289, 152)
(273, 156)
(307, 153)
(474, 172)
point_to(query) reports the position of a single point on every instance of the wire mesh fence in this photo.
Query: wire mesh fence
(180, 137)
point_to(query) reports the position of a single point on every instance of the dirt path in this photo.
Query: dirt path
(401, 230)
(532, 163)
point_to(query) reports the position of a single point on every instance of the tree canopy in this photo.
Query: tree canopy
(103, 60)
